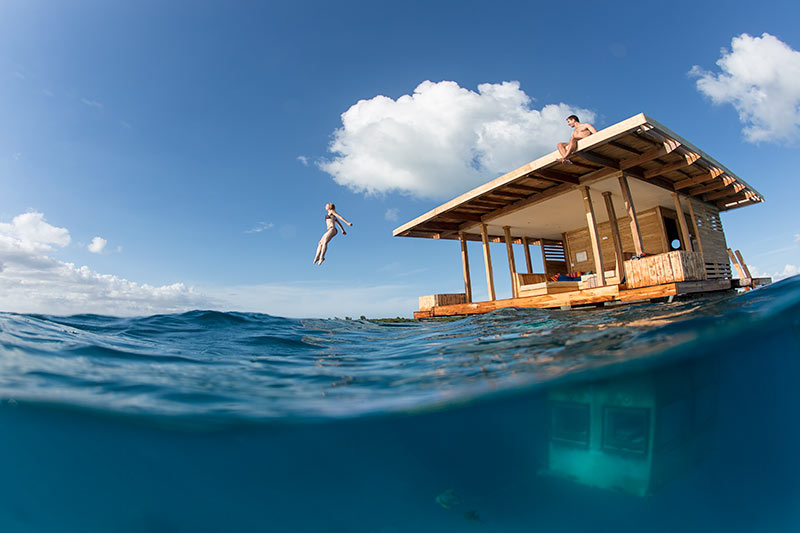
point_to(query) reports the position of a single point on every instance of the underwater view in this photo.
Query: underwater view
(670, 416)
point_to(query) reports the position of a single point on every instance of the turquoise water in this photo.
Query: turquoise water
(648, 417)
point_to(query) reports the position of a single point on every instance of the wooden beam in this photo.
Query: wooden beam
(465, 266)
(510, 194)
(591, 223)
(744, 265)
(686, 242)
(459, 217)
(694, 225)
(689, 158)
(736, 264)
(615, 236)
(512, 267)
(487, 260)
(625, 147)
(737, 188)
(654, 153)
(724, 181)
(553, 175)
(528, 263)
(521, 187)
(435, 225)
(601, 160)
(629, 207)
(708, 176)
(733, 199)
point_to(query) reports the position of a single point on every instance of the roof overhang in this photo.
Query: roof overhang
(539, 198)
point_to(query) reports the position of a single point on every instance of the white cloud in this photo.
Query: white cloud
(760, 77)
(261, 226)
(97, 245)
(788, 271)
(443, 139)
(303, 159)
(33, 282)
(392, 214)
(30, 233)
(797, 237)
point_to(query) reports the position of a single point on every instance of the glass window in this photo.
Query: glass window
(626, 429)
(569, 423)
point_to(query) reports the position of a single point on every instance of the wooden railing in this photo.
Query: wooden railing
(670, 267)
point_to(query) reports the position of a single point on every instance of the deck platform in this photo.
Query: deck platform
(597, 295)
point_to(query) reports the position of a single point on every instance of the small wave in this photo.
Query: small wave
(250, 365)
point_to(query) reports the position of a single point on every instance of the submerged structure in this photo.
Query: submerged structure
(633, 433)
(633, 215)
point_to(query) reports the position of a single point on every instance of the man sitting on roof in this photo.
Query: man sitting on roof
(581, 132)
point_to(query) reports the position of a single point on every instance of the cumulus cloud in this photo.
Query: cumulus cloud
(97, 245)
(797, 237)
(760, 77)
(443, 139)
(31, 281)
(303, 159)
(30, 232)
(392, 214)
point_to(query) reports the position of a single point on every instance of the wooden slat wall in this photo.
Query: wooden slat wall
(578, 241)
(715, 248)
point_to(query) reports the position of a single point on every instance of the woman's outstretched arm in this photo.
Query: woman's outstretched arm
(342, 219)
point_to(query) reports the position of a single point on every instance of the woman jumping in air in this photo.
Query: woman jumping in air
(331, 219)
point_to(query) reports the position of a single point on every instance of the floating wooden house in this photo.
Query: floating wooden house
(637, 208)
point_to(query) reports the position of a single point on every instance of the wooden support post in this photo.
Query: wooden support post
(744, 265)
(487, 260)
(465, 265)
(527, 247)
(512, 267)
(736, 264)
(612, 221)
(591, 223)
(629, 207)
(686, 243)
(694, 226)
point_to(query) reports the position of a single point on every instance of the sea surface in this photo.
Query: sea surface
(653, 417)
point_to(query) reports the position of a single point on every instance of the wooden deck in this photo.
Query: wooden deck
(598, 295)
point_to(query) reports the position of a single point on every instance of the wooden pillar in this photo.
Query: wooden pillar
(512, 267)
(629, 207)
(736, 264)
(744, 265)
(528, 263)
(465, 265)
(694, 225)
(591, 223)
(686, 242)
(487, 259)
(612, 221)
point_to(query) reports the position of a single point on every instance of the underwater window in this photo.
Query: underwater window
(569, 423)
(626, 429)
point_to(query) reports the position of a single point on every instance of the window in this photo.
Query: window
(626, 429)
(569, 423)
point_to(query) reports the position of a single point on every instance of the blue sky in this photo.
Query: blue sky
(172, 131)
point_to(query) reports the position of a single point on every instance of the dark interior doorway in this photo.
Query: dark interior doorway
(673, 234)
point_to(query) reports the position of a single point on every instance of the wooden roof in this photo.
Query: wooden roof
(641, 147)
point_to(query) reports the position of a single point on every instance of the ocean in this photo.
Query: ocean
(657, 417)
